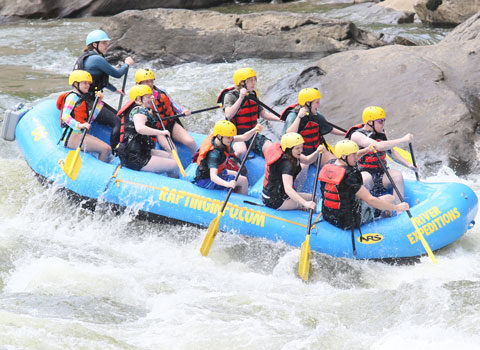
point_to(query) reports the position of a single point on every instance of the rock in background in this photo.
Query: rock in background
(178, 36)
(430, 91)
(446, 12)
(82, 8)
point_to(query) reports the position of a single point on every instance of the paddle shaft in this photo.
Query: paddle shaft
(170, 143)
(413, 161)
(193, 112)
(239, 170)
(314, 193)
(123, 89)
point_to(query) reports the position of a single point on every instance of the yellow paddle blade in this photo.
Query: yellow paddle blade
(404, 154)
(305, 255)
(424, 242)
(179, 163)
(210, 236)
(330, 148)
(72, 164)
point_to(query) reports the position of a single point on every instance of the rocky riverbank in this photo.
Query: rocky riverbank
(432, 91)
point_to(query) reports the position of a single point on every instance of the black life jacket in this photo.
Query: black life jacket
(247, 116)
(129, 134)
(99, 80)
(124, 115)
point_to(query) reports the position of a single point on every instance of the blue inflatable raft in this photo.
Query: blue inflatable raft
(442, 211)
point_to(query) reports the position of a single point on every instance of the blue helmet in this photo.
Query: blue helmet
(96, 35)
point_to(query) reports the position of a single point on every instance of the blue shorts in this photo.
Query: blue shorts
(210, 185)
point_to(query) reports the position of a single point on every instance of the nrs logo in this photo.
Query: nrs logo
(370, 238)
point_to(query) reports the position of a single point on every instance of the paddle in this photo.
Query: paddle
(193, 112)
(417, 231)
(413, 161)
(123, 89)
(114, 175)
(170, 143)
(305, 251)
(72, 164)
(214, 225)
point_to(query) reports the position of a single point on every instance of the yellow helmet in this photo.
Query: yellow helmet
(291, 139)
(308, 95)
(243, 74)
(140, 90)
(224, 128)
(143, 74)
(345, 148)
(78, 76)
(372, 113)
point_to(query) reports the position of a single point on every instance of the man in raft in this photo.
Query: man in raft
(346, 201)
(372, 133)
(213, 157)
(241, 109)
(305, 119)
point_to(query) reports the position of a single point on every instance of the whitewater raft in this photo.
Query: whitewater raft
(442, 211)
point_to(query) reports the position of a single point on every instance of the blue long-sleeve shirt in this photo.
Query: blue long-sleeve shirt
(96, 65)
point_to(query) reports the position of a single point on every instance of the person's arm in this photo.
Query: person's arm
(309, 159)
(335, 131)
(140, 121)
(219, 181)
(248, 135)
(67, 116)
(268, 115)
(293, 120)
(231, 109)
(290, 191)
(98, 107)
(364, 141)
(378, 203)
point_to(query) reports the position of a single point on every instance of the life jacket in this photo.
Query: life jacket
(79, 111)
(272, 154)
(370, 160)
(309, 130)
(348, 134)
(165, 108)
(99, 80)
(332, 175)
(287, 111)
(207, 146)
(129, 132)
(124, 115)
(247, 116)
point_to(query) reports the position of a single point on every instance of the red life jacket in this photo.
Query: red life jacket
(309, 130)
(79, 111)
(287, 111)
(369, 161)
(247, 116)
(331, 175)
(272, 154)
(207, 146)
(124, 115)
(165, 109)
(352, 129)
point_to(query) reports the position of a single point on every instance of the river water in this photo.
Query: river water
(76, 279)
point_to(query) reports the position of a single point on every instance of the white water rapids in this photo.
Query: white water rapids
(75, 279)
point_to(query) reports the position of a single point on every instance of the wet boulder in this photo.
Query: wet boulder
(82, 8)
(446, 12)
(178, 36)
(431, 91)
